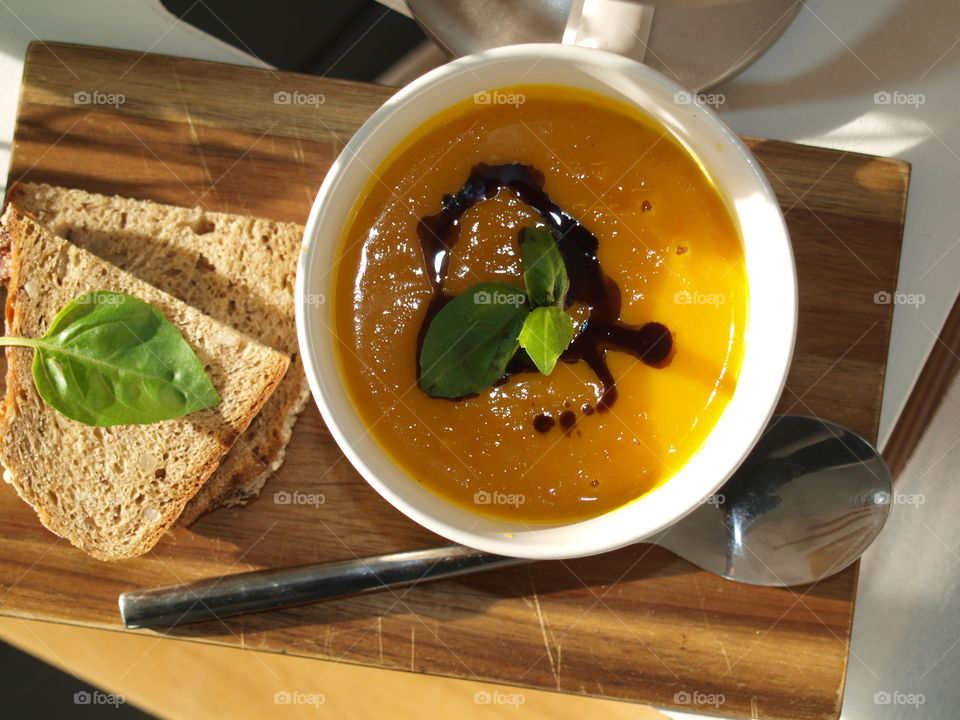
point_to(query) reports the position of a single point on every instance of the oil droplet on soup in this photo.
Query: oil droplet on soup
(537, 448)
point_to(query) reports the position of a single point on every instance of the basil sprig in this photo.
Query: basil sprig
(544, 274)
(473, 338)
(546, 333)
(111, 359)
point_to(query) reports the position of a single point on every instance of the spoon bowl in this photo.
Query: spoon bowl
(806, 503)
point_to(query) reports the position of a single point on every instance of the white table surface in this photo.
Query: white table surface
(817, 85)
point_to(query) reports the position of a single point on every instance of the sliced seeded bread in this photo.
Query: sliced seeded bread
(239, 270)
(113, 492)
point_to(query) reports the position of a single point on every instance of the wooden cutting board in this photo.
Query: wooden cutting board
(638, 624)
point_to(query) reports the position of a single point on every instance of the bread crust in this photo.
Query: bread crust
(4, 257)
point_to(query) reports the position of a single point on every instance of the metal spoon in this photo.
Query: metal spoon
(806, 503)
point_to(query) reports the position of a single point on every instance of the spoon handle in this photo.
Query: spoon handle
(271, 589)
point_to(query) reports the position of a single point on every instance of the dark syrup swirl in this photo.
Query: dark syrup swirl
(589, 285)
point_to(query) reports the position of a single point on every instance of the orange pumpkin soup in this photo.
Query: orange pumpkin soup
(657, 303)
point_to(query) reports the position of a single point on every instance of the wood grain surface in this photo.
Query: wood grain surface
(637, 624)
(159, 675)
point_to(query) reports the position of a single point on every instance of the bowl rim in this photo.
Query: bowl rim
(505, 541)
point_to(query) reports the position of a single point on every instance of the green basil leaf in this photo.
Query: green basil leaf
(546, 333)
(471, 340)
(112, 359)
(545, 275)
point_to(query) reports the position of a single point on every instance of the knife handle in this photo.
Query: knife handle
(270, 589)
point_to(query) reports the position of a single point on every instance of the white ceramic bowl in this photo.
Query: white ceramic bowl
(769, 265)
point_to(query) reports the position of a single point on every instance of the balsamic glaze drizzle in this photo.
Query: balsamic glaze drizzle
(589, 285)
